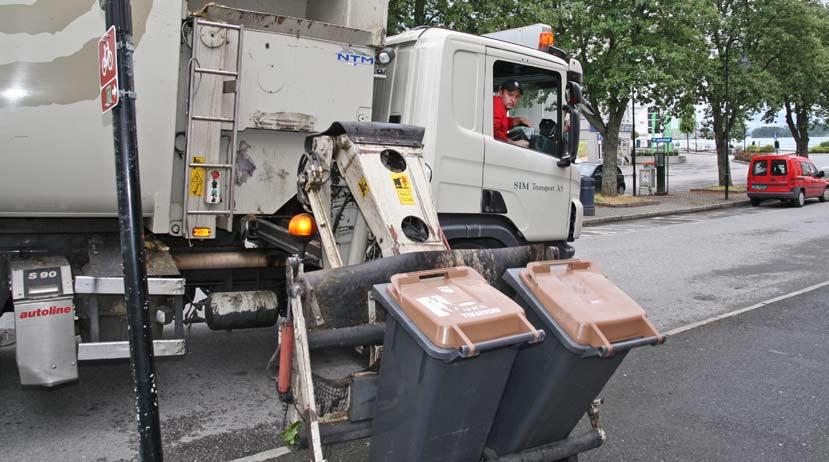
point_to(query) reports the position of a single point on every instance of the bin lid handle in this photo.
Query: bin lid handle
(543, 267)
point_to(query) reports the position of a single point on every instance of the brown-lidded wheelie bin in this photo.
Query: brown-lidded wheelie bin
(591, 324)
(449, 345)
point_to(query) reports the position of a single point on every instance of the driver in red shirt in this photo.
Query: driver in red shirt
(508, 95)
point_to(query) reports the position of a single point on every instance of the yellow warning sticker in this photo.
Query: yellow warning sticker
(403, 188)
(363, 184)
(197, 177)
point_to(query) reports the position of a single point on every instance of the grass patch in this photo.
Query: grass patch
(733, 188)
(621, 200)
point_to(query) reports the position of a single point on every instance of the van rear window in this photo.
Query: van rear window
(760, 168)
(778, 167)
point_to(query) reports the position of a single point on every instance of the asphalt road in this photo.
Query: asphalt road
(217, 404)
(693, 267)
(750, 388)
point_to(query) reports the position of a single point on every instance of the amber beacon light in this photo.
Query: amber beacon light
(302, 225)
(546, 39)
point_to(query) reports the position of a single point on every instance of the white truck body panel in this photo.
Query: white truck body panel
(57, 147)
(57, 153)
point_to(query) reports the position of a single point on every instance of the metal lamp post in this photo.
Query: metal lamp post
(727, 123)
(131, 225)
(633, 138)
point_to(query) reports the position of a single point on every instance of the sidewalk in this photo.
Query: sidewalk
(674, 203)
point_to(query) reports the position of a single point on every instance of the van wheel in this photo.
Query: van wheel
(801, 199)
(822, 196)
(755, 202)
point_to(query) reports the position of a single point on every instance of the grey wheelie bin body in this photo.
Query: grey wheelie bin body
(553, 383)
(437, 403)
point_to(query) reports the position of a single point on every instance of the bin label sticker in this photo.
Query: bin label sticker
(436, 304)
(483, 312)
(403, 188)
(447, 290)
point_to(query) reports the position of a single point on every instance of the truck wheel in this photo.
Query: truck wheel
(801, 199)
(822, 196)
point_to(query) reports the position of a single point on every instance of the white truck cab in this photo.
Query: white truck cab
(446, 81)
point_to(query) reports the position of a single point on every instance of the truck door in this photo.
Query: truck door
(535, 191)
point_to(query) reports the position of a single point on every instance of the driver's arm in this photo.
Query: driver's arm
(520, 121)
(521, 143)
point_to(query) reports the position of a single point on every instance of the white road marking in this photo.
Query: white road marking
(266, 455)
(731, 314)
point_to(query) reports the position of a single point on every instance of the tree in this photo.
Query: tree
(688, 124)
(739, 131)
(800, 74)
(626, 46)
(732, 73)
(474, 16)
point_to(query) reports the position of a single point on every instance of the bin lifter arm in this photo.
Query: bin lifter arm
(316, 173)
(302, 380)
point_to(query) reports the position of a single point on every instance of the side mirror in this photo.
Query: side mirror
(821, 174)
(572, 125)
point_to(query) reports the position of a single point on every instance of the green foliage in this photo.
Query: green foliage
(757, 148)
(634, 49)
(770, 132)
(797, 50)
(290, 435)
(688, 120)
(822, 149)
(474, 16)
(738, 130)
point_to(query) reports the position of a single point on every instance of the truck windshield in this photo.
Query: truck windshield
(539, 104)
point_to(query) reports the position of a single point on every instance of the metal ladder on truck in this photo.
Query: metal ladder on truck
(194, 161)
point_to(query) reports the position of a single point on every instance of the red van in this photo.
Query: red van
(786, 177)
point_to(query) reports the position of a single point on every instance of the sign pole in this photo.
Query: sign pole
(130, 223)
(633, 138)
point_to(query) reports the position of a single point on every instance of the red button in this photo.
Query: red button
(215, 174)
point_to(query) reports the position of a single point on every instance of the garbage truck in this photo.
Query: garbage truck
(227, 94)
(294, 159)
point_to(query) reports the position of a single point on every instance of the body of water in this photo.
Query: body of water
(786, 144)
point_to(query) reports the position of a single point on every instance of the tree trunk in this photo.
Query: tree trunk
(420, 12)
(803, 128)
(611, 148)
(718, 127)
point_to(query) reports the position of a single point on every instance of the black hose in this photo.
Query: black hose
(560, 450)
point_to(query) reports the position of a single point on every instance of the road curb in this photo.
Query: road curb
(637, 216)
